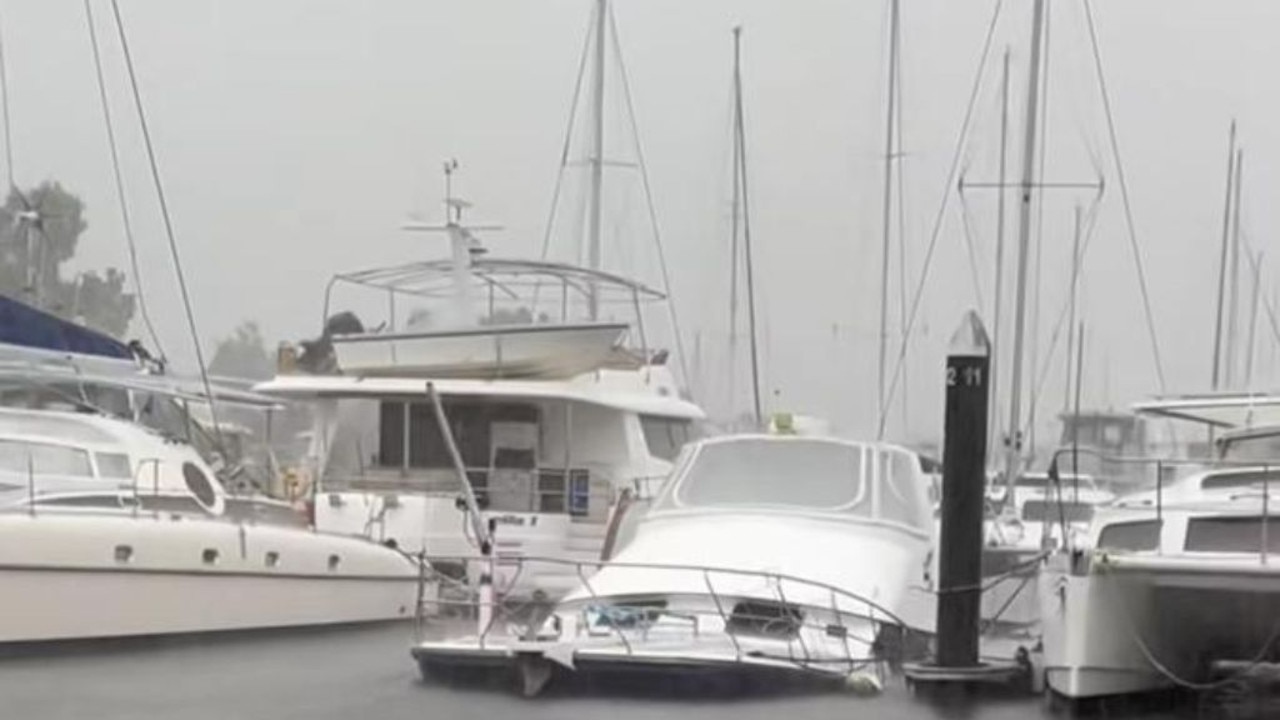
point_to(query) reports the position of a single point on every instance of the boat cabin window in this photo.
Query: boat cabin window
(1231, 534)
(896, 501)
(1246, 479)
(1143, 535)
(472, 425)
(665, 435)
(42, 458)
(796, 473)
(113, 465)
(1251, 448)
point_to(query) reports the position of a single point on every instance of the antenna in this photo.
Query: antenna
(464, 246)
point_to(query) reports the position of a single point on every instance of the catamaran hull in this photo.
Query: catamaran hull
(527, 351)
(80, 576)
(50, 604)
(1150, 626)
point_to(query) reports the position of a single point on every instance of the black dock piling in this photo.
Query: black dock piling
(956, 661)
(964, 459)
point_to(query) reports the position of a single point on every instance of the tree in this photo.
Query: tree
(39, 231)
(243, 355)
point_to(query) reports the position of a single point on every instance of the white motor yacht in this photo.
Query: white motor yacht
(762, 555)
(109, 529)
(561, 409)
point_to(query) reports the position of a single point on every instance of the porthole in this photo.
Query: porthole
(209, 556)
(199, 486)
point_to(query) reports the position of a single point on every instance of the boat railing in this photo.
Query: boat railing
(138, 481)
(762, 615)
(581, 493)
(1242, 480)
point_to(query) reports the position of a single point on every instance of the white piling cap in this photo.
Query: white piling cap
(970, 339)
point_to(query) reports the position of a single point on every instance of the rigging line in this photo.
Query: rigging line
(168, 227)
(970, 245)
(1124, 197)
(1215, 372)
(902, 222)
(564, 159)
(748, 257)
(568, 139)
(886, 215)
(937, 222)
(1042, 377)
(1039, 243)
(4, 108)
(648, 196)
(120, 195)
(1256, 268)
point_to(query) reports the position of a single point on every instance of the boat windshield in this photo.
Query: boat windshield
(1252, 448)
(811, 474)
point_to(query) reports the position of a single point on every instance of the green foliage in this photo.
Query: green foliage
(37, 236)
(243, 355)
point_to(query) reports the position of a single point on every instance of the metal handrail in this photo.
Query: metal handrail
(737, 648)
(587, 584)
(1265, 467)
(871, 605)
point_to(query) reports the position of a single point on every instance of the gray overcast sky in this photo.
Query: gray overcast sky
(294, 136)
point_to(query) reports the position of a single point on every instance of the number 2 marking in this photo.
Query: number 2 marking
(971, 376)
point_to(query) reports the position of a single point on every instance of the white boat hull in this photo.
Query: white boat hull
(69, 576)
(540, 351)
(1140, 624)
(435, 524)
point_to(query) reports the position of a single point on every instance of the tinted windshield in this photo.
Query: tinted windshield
(798, 473)
(1261, 448)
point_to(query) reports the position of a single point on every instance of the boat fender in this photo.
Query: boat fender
(863, 683)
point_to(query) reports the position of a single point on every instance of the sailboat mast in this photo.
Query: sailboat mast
(1253, 321)
(1222, 262)
(735, 255)
(1071, 316)
(740, 152)
(1233, 283)
(1000, 218)
(889, 138)
(1013, 455)
(597, 152)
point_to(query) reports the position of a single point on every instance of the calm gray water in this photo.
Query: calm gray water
(366, 673)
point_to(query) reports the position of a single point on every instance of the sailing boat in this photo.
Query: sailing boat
(111, 528)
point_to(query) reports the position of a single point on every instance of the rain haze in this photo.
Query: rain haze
(294, 138)
(653, 357)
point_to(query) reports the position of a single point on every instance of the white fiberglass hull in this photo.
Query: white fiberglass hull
(435, 524)
(1140, 624)
(79, 575)
(540, 351)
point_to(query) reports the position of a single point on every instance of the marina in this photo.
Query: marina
(668, 440)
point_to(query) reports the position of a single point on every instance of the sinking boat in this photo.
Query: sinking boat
(762, 556)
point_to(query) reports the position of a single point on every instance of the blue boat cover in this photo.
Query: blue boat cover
(21, 324)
